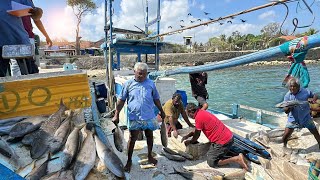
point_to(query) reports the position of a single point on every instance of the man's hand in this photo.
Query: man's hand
(49, 42)
(187, 142)
(183, 138)
(163, 115)
(287, 109)
(115, 120)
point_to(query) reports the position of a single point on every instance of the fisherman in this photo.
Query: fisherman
(299, 115)
(12, 31)
(173, 108)
(141, 95)
(198, 83)
(219, 135)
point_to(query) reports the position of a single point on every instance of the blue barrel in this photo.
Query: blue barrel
(101, 88)
(101, 105)
(184, 97)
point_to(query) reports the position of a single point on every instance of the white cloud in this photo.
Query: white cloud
(267, 15)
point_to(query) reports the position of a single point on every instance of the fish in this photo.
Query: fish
(60, 175)
(173, 157)
(188, 174)
(40, 139)
(23, 172)
(164, 134)
(118, 138)
(5, 130)
(290, 103)
(38, 173)
(11, 121)
(60, 136)
(179, 153)
(275, 133)
(27, 126)
(8, 151)
(86, 157)
(109, 158)
(70, 148)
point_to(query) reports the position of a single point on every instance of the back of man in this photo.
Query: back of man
(212, 127)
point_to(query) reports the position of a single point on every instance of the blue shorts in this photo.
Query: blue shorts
(141, 125)
(294, 125)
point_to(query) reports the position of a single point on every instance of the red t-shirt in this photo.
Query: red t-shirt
(212, 127)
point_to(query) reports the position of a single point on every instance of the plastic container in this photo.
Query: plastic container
(101, 105)
(103, 92)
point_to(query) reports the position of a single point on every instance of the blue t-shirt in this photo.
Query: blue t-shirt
(12, 31)
(300, 113)
(140, 97)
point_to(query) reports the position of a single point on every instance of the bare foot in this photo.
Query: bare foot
(127, 168)
(242, 161)
(152, 160)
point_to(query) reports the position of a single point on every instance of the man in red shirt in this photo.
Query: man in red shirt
(220, 136)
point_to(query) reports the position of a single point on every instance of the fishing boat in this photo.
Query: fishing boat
(251, 137)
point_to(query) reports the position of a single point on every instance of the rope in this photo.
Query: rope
(311, 175)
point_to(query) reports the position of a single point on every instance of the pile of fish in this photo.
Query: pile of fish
(64, 138)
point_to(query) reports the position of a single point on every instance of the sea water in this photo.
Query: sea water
(254, 86)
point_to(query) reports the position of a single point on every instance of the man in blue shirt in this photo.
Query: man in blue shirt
(299, 115)
(141, 95)
(12, 31)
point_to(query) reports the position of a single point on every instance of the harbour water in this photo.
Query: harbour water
(254, 86)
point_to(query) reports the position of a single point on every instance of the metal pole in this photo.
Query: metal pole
(106, 39)
(147, 18)
(219, 19)
(110, 64)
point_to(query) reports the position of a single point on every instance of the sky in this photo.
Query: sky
(60, 22)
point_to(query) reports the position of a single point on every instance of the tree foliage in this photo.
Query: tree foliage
(80, 8)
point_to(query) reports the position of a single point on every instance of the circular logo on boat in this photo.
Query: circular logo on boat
(9, 101)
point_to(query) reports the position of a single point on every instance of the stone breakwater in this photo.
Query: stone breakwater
(182, 59)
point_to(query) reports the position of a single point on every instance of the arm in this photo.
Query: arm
(120, 105)
(194, 139)
(187, 136)
(158, 104)
(43, 31)
(186, 119)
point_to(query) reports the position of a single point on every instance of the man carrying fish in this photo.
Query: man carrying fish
(220, 136)
(299, 115)
(141, 95)
(173, 108)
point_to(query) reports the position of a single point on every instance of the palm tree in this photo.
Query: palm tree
(311, 31)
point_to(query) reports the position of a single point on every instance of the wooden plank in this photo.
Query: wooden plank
(40, 94)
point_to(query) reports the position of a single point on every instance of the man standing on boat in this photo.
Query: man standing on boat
(220, 136)
(173, 108)
(141, 95)
(198, 83)
(299, 115)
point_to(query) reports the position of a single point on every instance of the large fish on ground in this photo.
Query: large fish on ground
(290, 103)
(275, 133)
(70, 148)
(60, 136)
(179, 153)
(27, 126)
(5, 130)
(11, 121)
(7, 151)
(118, 138)
(37, 174)
(164, 135)
(86, 157)
(188, 174)
(173, 157)
(60, 175)
(109, 158)
(41, 138)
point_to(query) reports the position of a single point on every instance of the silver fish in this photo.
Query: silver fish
(86, 158)
(5, 130)
(275, 133)
(9, 152)
(290, 103)
(38, 173)
(188, 174)
(60, 136)
(173, 157)
(118, 138)
(27, 126)
(41, 138)
(109, 158)
(164, 135)
(70, 148)
(179, 153)
(60, 175)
